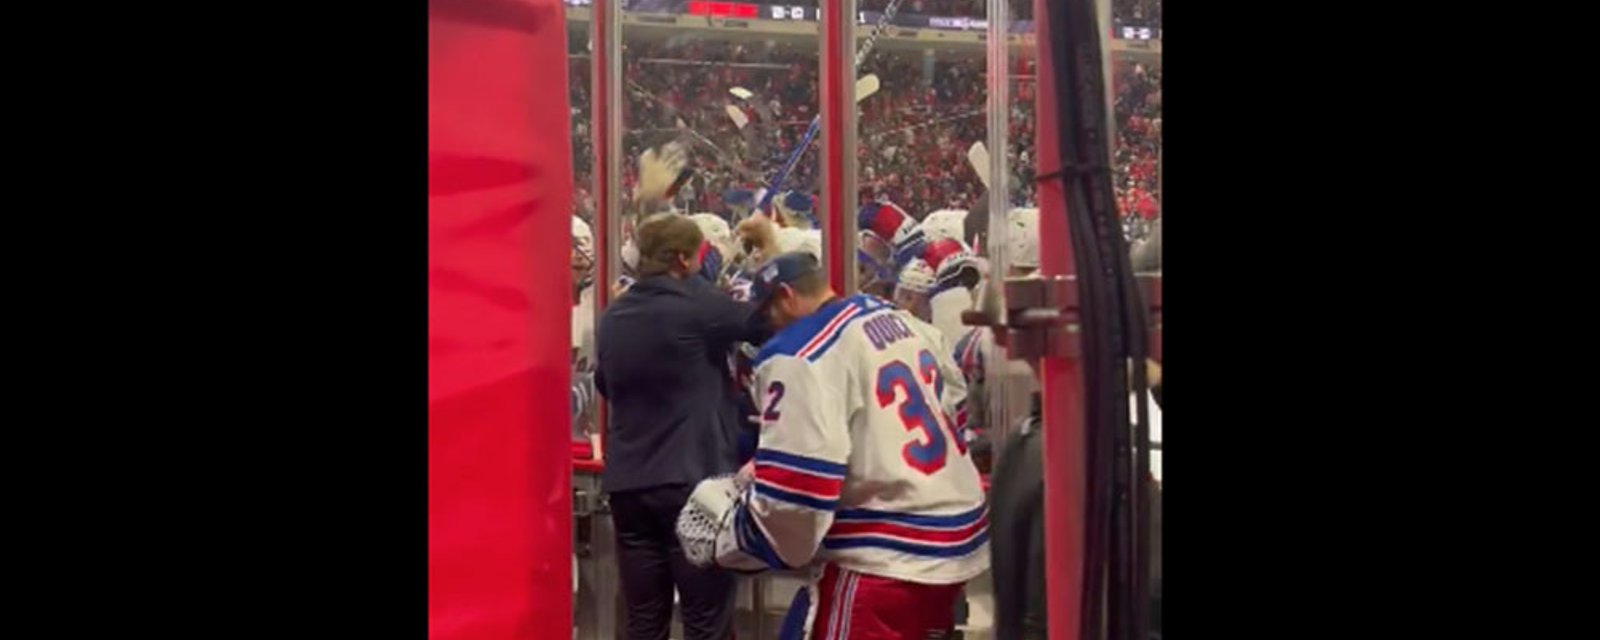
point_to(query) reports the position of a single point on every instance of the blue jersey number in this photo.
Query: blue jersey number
(915, 412)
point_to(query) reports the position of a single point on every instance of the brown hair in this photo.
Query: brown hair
(663, 238)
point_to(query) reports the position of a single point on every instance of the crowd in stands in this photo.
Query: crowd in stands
(1138, 149)
(1131, 13)
(913, 135)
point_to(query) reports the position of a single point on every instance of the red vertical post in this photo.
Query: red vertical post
(837, 87)
(606, 197)
(1062, 378)
(499, 207)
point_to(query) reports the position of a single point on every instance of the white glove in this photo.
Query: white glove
(705, 525)
(708, 510)
(658, 169)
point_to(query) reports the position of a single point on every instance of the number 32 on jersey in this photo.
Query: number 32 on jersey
(925, 453)
(916, 413)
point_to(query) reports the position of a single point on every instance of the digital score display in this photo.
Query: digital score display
(1138, 33)
(725, 10)
(789, 12)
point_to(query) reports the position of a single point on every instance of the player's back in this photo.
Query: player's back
(912, 506)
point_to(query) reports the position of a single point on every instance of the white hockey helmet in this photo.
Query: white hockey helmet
(945, 223)
(916, 277)
(911, 292)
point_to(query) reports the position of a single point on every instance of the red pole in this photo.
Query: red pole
(835, 101)
(499, 207)
(600, 101)
(1062, 395)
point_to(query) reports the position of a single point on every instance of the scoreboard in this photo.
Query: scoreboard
(1137, 33)
(788, 12)
(754, 11)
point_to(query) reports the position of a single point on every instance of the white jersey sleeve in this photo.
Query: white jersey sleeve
(799, 465)
(859, 462)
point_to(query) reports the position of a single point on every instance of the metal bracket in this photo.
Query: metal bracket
(1041, 318)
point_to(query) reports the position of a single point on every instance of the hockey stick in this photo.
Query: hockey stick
(978, 157)
(816, 121)
(685, 134)
(865, 87)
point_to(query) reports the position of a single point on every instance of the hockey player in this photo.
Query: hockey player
(583, 263)
(912, 288)
(888, 239)
(858, 474)
(581, 395)
(937, 285)
(956, 272)
(976, 351)
(976, 346)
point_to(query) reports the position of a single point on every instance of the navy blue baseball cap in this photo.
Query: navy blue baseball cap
(784, 269)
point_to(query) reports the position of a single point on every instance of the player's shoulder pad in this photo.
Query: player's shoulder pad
(812, 335)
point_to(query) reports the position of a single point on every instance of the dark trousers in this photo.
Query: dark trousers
(652, 564)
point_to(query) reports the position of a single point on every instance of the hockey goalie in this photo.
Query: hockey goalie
(860, 477)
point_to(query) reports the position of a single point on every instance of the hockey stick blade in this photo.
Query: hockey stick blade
(978, 157)
(736, 114)
(866, 86)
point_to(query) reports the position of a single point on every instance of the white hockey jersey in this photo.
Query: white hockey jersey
(986, 368)
(859, 463)
(944, 310)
